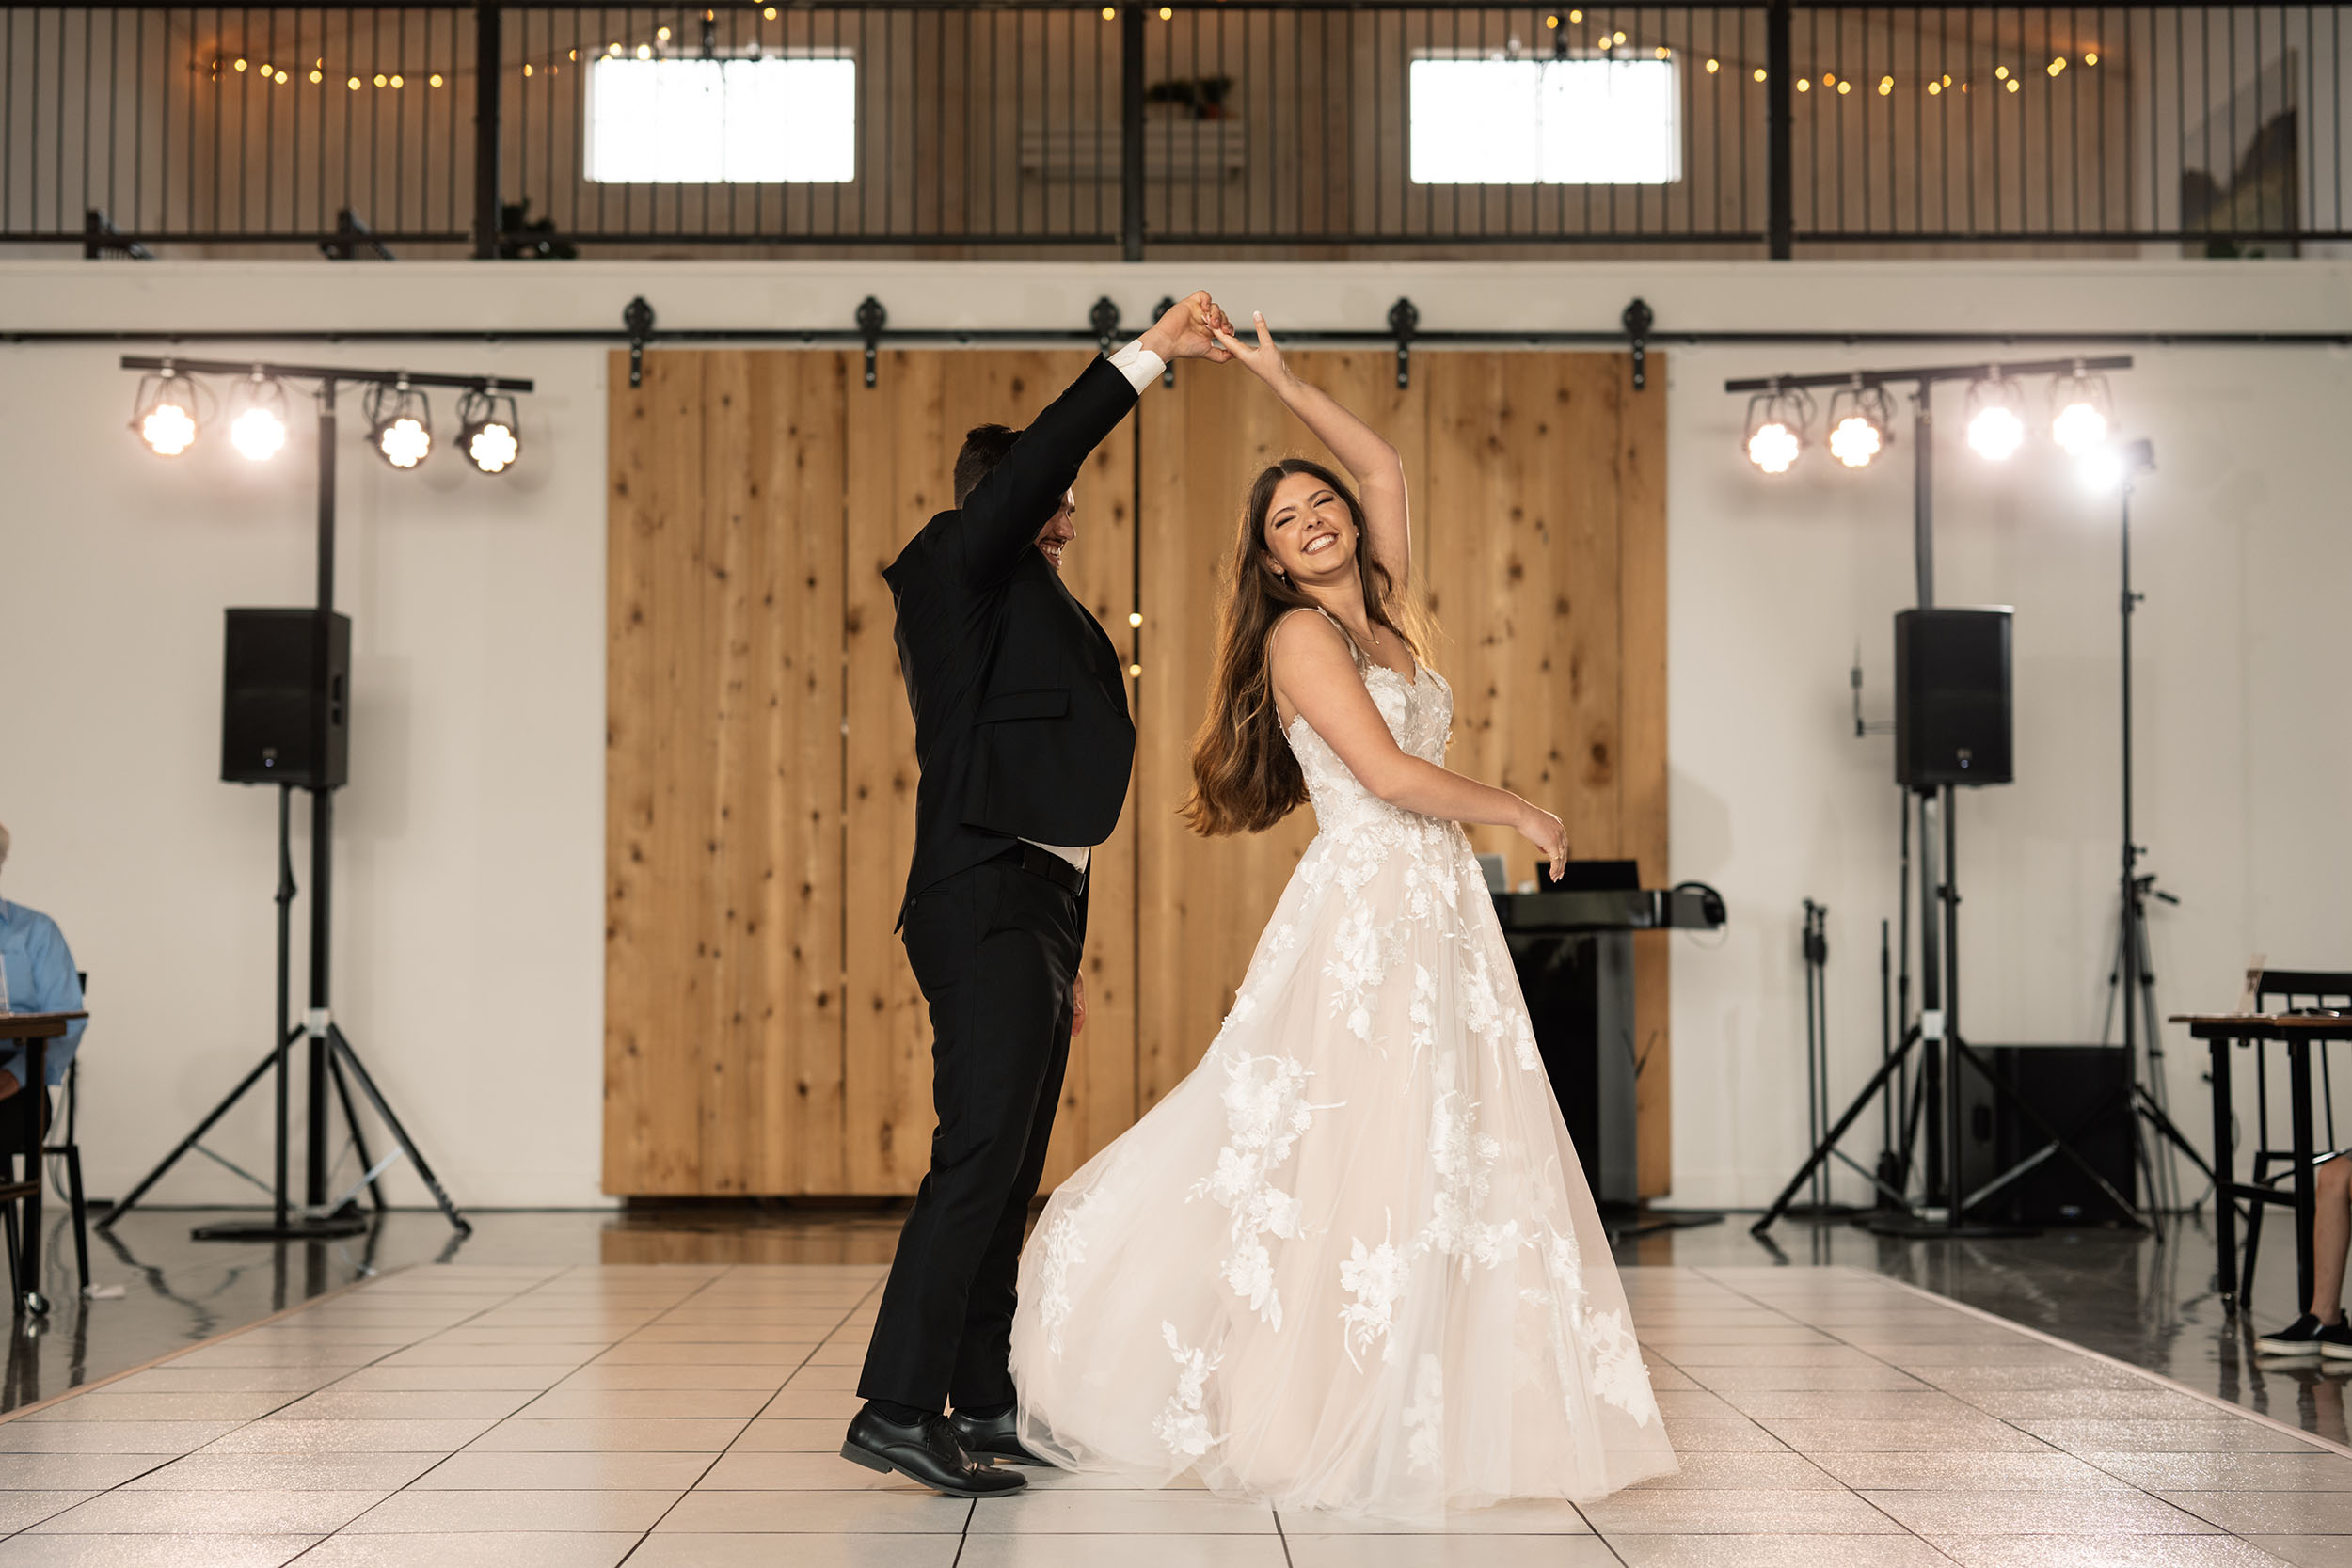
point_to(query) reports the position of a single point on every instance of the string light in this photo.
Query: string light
(1804, 84)
(1886, 84)
(1934, 88)
(1759, 74)
(1844, 87)
(2090, 58)
(2011, 84)
(434, 80)
(1551, 23)
(2000, 74)
(1713, 65)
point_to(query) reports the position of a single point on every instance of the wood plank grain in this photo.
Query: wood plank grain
(896, 479)
(658, 745)
(1642, 790)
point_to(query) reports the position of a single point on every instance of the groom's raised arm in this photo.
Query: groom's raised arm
(1005, 511)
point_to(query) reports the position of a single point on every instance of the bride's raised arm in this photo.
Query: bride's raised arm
(1378, 472)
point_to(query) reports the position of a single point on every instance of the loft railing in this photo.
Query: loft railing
(1018, 127)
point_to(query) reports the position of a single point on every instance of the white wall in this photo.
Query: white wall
(469, 909)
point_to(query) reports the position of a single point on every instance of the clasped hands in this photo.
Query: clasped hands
(1197, 327)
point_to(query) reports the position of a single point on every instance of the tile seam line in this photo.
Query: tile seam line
(78, 1389)
(1852, 1491)
(2157, 1378)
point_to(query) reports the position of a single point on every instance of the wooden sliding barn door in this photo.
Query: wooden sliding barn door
(762, 1032)
(763, 1035)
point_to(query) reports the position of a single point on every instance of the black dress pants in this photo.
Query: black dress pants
(994, 949)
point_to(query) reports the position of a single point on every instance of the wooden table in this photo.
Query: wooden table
(36, 1030)
(2299, 1032)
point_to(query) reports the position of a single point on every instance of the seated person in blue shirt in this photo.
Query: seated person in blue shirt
(36, 977)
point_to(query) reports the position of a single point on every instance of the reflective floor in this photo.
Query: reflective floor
(667, 1413)
(2147, 1301)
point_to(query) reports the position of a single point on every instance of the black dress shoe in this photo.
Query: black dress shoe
(995, 1436)
(928, 1452)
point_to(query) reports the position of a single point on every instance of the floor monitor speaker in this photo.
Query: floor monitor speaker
(1952, 697)
(285, 699)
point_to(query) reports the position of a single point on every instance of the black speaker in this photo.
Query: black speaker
(285, 699)
(2084, 1091)
(1951, 697)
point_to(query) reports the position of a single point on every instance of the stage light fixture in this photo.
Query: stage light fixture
(168, 411)
(258, 429)
(1997, 428)
(400, 423)
(1859, 433)
(2103, 469)
(488, 430)
(2081, 411)
(1776, 422)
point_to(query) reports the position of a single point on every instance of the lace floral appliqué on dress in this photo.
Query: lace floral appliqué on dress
(1350, 1262)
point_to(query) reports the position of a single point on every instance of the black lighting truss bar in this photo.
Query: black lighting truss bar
(323, 372)
(814, 337)
(1927, 374)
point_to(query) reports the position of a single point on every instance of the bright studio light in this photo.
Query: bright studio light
(1776, 422)
(487, 430)
(1858, 419)
(1995, 428)
(2082, 413)
(400, 423)
(165, 412)
(2109, 466)
(258, 430)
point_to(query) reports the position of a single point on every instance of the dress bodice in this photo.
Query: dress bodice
(1419, 709)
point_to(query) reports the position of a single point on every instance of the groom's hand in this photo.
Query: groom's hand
(1189, 330)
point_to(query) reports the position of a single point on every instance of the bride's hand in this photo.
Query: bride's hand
(1189, 330)
(1544, 831)
(1265, 361)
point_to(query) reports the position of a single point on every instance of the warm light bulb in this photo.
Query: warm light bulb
(168, 428)
(661, 33)
(1135, 617)
(1773, 447)
(1759, 74)
(1804, 84)
(1713, 65)
(258, 433)
(1935, 89)
(1996, 432)
(2079, 427)
(2090, 59)
(1854, 442)
(406, 442)
(2000, 74)
(645, 50)
(2101, 469)
(493, 447)
(2011, 84)
(434, 80)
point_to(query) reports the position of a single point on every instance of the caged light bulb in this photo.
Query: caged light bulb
(1996, 432)
(406, 442)
(1854, 442)
(168, 428)
(1773, 447)
(259, 433)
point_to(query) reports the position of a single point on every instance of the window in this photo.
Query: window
(1546, 123)
(701, 122)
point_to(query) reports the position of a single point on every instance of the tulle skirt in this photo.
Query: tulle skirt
(1350, 1262)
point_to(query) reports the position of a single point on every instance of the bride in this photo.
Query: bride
(1350, 1262)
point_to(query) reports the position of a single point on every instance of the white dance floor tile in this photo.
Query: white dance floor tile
(690, 1417)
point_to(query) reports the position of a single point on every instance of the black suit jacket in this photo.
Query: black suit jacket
(1020, 701)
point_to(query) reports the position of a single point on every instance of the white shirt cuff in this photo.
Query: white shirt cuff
(1139, 365)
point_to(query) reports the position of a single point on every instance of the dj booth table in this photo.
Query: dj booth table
(1574, 954)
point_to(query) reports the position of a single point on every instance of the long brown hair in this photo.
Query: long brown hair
(1244, 777)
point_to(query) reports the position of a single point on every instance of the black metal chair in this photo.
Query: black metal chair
(68, 1148)
(2280, 991)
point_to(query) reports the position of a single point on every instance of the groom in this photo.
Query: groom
(1021, 731)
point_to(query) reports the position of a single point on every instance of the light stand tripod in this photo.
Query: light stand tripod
(2132, 981)
(1945, 1050)
(332, 1058)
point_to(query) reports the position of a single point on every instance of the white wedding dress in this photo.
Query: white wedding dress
(1350, 1262)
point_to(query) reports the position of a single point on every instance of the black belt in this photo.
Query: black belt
(1045, 863)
